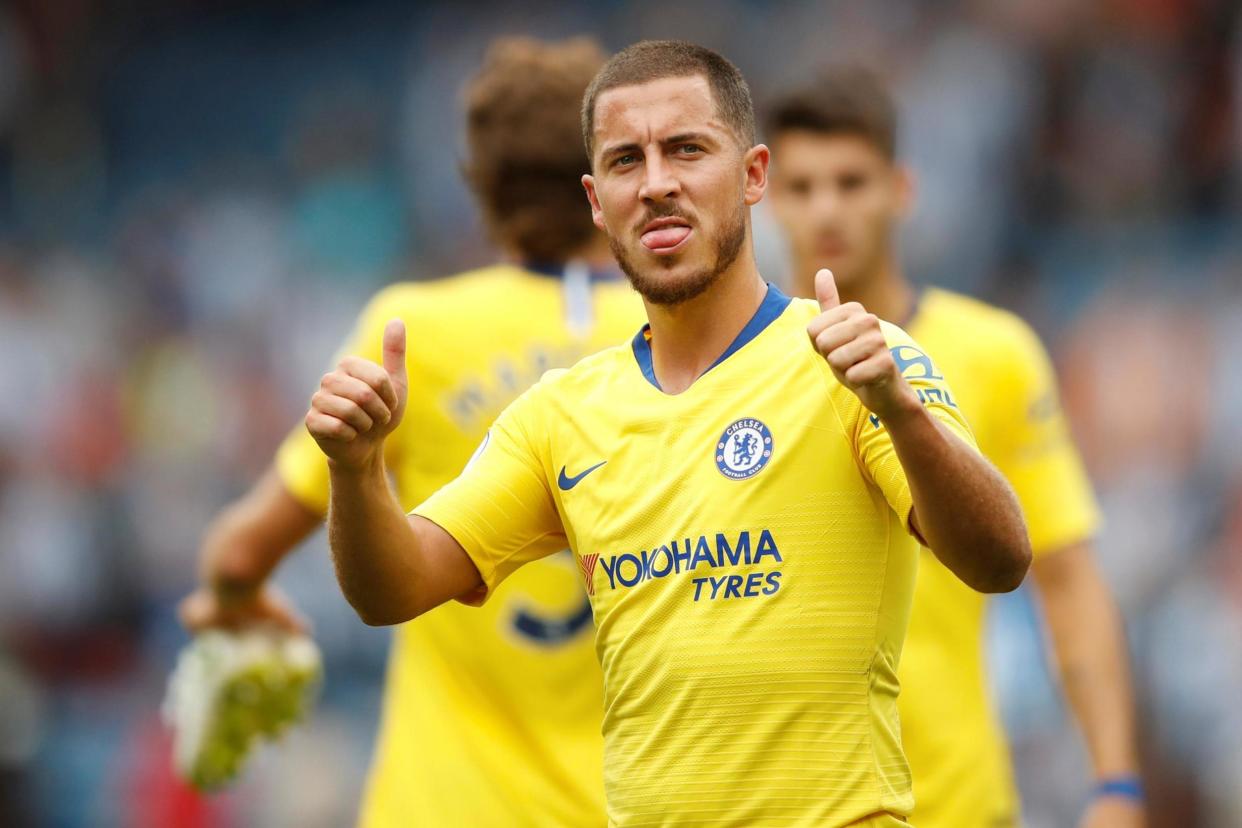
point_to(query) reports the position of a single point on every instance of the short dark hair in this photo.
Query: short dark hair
(524, 162)
(843, 99)
(650, 60)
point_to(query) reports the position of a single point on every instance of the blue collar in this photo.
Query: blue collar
(556, 270)
(773, 305)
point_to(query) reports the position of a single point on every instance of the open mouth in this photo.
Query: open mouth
(665, 235)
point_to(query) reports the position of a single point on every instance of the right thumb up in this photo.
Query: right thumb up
(394, 362)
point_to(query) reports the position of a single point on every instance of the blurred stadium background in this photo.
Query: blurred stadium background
(198, 196)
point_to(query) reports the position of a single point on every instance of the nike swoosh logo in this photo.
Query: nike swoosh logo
(567, 483)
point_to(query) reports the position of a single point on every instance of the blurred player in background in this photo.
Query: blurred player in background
(840, 193)
(490, 717)
(739, 482)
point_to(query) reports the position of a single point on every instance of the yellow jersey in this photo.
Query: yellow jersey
(1004, 382)
(745, 548)
(492, 717)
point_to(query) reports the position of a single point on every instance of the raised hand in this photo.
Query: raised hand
(360, 403)
(851, 341)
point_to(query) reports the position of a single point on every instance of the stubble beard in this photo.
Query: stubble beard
(654, 285)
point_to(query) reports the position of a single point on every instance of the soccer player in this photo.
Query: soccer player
(492, 717)
(840, 192)
(738, 484)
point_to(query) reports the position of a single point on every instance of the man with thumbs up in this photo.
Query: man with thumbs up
(741, 485)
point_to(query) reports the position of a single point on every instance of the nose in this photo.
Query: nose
(659, 182)
(825, 204)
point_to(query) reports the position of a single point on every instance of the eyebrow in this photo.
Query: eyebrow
(688, 138)
(679, 138)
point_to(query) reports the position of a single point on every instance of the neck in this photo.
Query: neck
(884, 291)
(688, 337)
(595, 253)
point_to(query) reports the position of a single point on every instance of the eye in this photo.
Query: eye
(852, 181)
(625, 160)
(800, 187)
(690, 149)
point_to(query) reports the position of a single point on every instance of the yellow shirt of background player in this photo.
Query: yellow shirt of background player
(750, 573)
(1003, 381)
(491, 716)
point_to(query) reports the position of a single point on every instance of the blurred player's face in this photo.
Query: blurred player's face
(839, 200)
(671, 186)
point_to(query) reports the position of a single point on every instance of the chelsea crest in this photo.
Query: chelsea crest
(743, 449)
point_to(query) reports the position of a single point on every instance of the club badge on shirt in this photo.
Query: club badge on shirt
(743, 449)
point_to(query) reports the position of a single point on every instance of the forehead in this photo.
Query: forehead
(798, 149)
(647, 111)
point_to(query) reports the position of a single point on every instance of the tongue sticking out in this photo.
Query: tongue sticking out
(665, 237)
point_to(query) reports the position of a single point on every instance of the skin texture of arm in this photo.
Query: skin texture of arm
(241, 548)
(963, 508)
(1088, 642)
(391, 567)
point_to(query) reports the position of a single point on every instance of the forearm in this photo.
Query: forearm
(249, 538)
(373, 545)
(1088, 641)
(963, 508)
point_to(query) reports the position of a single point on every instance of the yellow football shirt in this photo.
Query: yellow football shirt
(491, 717)
(744, 544)
(1004, 382)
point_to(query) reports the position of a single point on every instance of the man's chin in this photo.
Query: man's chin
(671, 285)
(684, 275)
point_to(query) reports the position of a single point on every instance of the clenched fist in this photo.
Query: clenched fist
(851, 341)
(360, 403)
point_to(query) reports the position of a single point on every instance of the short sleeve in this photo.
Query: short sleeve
(303, 470)
(300, 465)
(872, 442)
(500, 508)
(1036, 452)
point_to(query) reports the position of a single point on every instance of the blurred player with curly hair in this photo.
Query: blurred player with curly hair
(490, 717)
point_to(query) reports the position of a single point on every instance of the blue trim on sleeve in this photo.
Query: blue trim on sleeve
(773, 305)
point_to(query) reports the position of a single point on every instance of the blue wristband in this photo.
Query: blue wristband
(1128, 787)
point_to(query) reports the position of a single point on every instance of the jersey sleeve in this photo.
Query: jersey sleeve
(500, 508)
(1036, 452)
(301, 466)
(872, 442)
